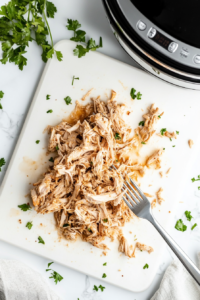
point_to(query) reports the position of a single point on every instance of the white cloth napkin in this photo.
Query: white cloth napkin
(178, 284)
(19, 282)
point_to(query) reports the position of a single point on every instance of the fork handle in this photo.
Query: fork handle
(186, 261)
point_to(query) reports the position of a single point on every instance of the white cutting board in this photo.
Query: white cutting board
(29, 161)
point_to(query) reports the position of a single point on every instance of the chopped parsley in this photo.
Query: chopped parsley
(1, 95)
(79, 36)
(105, 220)
(2, 163)
(57, 148)
(159, 117)
(163, 148)
(105, 264)
(180, 226)
(89, 229)
(170, 139)
(162, 131)
(49, 111)
(65, 225)
(23, 22)
(40, 240)
(101, 288)
(198, 187)
(51, 159)
(173, 146)
(193, 226)
(91, 163)
(146, 266)
(193, 179)
(55, 275)
(141, 123)
(24, 207)
(29, 225)
(117, 136)
(104, 275)
(77, 78)
(95, 288)
(48, 97)
(68, 100)
(132, 93)
(143, 143)
(188, 215)
(177, 132)
(116, 160)
(138, 96)
(37, 142)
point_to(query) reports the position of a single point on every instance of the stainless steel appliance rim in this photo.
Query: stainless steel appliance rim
(122, 36)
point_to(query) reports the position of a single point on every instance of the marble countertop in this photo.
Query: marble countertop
(19, 88)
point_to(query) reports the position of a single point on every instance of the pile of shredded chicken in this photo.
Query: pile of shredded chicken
(82, 188)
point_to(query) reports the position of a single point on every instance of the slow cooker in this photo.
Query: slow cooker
(162, 36)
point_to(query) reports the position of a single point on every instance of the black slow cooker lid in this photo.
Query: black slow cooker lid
(124, 28)
(179, 18)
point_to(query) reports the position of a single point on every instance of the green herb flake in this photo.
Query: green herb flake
(117, 136)
(173, 146)
(105, 220)
(57, 148)
(198, 187)
(49, 111)
(74, 78)
(177, 132)
(162, 131)
(104, 275)
(29, 225)
(65, 225)
(193, 226)
(141, 123)
(37, 142)
(146, 266)
(49, 264)
(101, 288)
(188, 215)
(40, 240)
(180, 226)
(193, 179)
(89, 230)
(143, 143)
(24, 207)
(1, 94)
(48, 97)
(138, 96)
(170, 139)
(133, 94)
(2, 163)
(55, 275)
(159, 117)
(105, 264)
(68, 100)
(163, 148)
(51, 159)
(95, 288)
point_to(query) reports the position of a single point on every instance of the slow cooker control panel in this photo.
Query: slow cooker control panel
(172, 47)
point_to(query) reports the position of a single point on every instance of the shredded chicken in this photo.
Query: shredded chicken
(168, 171)
(155, 159)
(159, 197)
(144, 247)
(153, 203)
(81, 188)
(190, 143)
(161, 174)
(170, 135)
(148, 195)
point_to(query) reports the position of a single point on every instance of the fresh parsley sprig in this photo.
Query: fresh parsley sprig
(55, 275)
(1, 96)
(180, 226)
(68, 100)
(134, 95)
(29, 225)
(23, 22)
(188, 215)
(24, 207)
(77, 78)
(79, 36)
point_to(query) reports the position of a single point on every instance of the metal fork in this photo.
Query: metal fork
(140, 206)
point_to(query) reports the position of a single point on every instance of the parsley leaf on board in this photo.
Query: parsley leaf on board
(49, 264)
(193, 179)
(68, 100)
(57, 148)
(48, 97)
(193, 226)
(23, 22)
(29, 225)
(180, 226)
(77, 78)
(24, 207)
(49, 111)
(138, 96)
(55, 275)
(159, 117)
(105, 264)
(40, 240)
(101, 288)
(117, 136)
(177, 132)
(132, 93)
(146, 266)
(188, 215)
(37, 142)
(141, 123)
(162, 131)
(95, 288)
(104, 275)
(2, 163)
